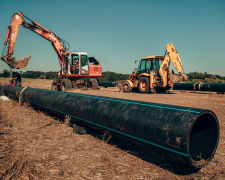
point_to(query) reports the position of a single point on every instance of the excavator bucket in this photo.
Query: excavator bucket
(18, 64)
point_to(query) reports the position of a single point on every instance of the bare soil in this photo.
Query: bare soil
(36, 145)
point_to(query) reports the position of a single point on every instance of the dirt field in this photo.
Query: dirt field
(35, 145)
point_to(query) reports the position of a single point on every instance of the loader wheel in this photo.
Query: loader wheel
(126, 87)
(143, 85)
(93, 83)
(58, 85)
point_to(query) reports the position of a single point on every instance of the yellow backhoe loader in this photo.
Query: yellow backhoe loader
(154, 74)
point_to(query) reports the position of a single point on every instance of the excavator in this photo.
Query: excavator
(77, 69)
(154, 75)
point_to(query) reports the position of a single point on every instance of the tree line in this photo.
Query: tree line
(106, 76)
(205, 78)
(112, 76)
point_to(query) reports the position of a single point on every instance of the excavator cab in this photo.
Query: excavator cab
(78, 63)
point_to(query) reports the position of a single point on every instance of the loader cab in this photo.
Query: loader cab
(79, 63)
(151, 63)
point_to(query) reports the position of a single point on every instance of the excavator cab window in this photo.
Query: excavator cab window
(84, 60)
(84, 64)
(75, 57)
(75, 64)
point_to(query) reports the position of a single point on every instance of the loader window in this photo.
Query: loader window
(159, 62)
(156, 64)
(148, 65)
(145, 66)
(142, 66)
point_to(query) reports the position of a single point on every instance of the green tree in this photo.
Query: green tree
(5, 73)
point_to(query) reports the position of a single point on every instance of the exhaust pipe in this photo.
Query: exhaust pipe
(189, 135)
(17, 64)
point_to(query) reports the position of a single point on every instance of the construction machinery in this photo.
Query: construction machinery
(77, 69)
(154, 74)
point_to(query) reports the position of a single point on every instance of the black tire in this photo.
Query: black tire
(93, 83)
(62, 87)
(143, 85)
(54, 86)
(67, 82)
(58, 85)
(127, 87)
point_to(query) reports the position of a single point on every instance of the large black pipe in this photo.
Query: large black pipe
(215, 87)
(184, 86)
(107, 84)
(187, 134)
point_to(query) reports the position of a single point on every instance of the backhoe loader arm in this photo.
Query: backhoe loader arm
(13, 28)
(172, 55)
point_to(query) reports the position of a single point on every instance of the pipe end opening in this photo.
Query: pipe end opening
(203, 139)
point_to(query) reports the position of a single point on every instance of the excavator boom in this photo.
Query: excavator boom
(10, 40)
(13, 29)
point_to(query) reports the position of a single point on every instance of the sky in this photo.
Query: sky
(118, 32)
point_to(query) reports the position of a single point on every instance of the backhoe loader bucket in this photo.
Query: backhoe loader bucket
(177, 78)
(18, 64)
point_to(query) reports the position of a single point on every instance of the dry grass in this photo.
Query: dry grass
(37, 83)
(34, 145)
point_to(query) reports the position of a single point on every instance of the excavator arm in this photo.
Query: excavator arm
(172, 55)
(10, 40)
(13, 29)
